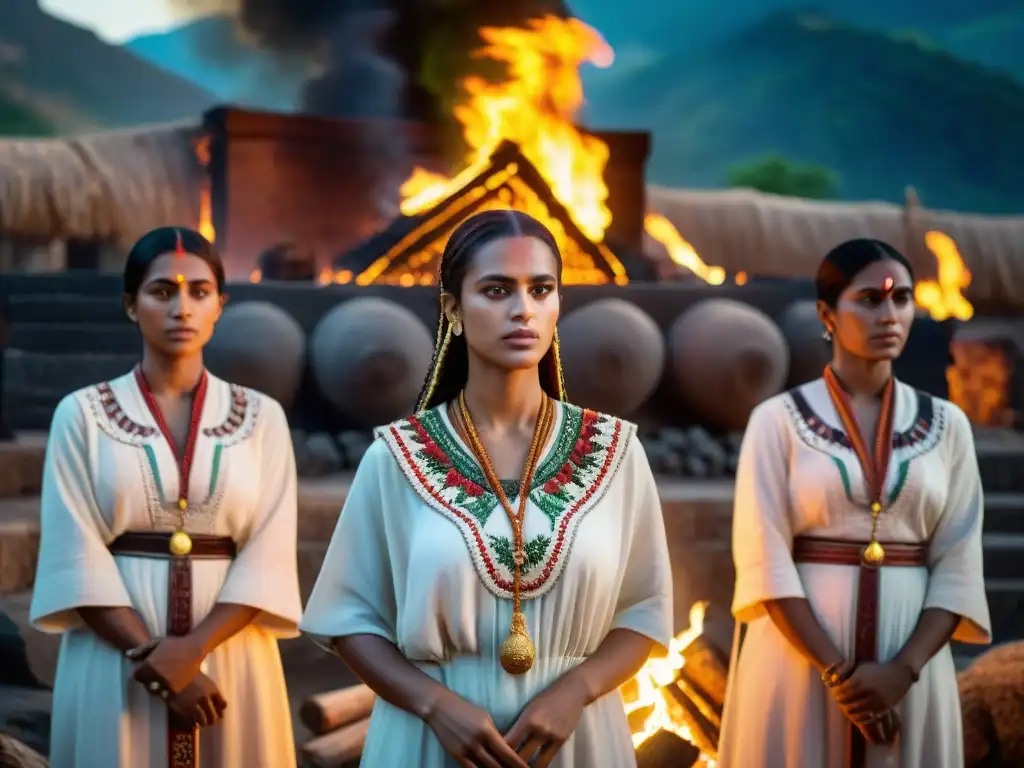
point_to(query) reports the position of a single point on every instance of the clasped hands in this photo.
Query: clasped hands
(469, 735)
(867, 694)
(169, 667)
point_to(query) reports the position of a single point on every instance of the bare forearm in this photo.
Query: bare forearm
(934, 629)
(794, 618)
(222, 623)
(619, 657)
(119, 626)
(380, 665)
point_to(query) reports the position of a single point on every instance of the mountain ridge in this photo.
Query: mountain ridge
(880, 111)
(73, 81)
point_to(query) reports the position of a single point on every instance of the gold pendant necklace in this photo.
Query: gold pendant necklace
(517, 651)
(873, 463)
(180, 543)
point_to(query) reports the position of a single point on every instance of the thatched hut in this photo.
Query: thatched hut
(102, 190)
(109, 188)
(769, 235)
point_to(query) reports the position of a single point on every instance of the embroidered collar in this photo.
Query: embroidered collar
(923, 421)
(119, 410)
(579, 462)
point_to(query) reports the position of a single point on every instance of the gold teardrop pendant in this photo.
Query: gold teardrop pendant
(517, 652)
(874, 553)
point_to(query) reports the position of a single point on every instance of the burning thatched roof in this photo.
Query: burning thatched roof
(769, 235)
(115, 186)
(107, 186)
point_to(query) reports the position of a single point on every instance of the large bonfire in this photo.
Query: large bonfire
(535, 105)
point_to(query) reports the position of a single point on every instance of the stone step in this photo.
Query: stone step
(73, 337)
(19, 543)
(1006, 608)
(64, 308)
(1000, 460)
(1004, 512)
(21, 465)
(1004, 556)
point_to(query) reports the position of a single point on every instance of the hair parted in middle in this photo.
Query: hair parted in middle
(450, 364)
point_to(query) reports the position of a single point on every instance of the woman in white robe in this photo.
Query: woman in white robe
(423, 555)
(799, 477)
(110, 471)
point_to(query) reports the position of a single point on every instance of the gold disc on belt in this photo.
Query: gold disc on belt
(180, 543)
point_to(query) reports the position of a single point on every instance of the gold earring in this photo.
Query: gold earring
(457, 326)
(440, 350)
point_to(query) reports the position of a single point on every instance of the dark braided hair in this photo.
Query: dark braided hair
(843, 263)
(450, 364)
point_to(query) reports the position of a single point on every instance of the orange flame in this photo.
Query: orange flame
(647, 687)
(534, 107)
(682, 253)
(944, 298)
(202, 150)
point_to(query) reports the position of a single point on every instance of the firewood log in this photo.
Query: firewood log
(337, 748)
(14, 754)
(702, 730)
(666, 750)
(707, 669)
(329, 711)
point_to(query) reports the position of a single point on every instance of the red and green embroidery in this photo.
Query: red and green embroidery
(571, 479)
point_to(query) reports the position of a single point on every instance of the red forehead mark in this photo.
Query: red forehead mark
(179, 249)
(887, 285)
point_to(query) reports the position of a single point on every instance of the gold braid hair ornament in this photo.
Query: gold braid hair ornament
(517, 652)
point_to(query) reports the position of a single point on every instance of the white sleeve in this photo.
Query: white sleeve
(264, 575)
(956, 580)
(74, 569)
(354, 593)
(644, 602)
(762, 533)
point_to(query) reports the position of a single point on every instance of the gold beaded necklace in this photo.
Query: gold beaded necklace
(517, 652)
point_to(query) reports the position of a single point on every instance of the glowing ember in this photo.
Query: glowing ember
(202, 150)
(944, 298)
(682, 253)
(534, 107)
(328, 276)
(646, 692)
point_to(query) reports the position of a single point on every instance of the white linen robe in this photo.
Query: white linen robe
(109, 470)
(421, 556)
(796, 477)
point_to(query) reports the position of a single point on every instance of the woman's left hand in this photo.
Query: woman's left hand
(872, 689)
(170, 662)
(547, 723)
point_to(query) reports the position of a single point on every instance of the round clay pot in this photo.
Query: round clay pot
(257, 344)
(369, 358)
(613, 356)
(726, 357)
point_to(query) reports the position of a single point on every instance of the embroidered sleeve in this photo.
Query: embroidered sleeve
(265, 573)
(762, 535)
(644, 602)
(74, 568)
(956, 582)
(354, 593)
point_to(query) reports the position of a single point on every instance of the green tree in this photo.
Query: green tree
(781, 176)
(16, 120)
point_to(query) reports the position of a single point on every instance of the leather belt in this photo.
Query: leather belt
(156, 544)
(809, 549)
(182, 738)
